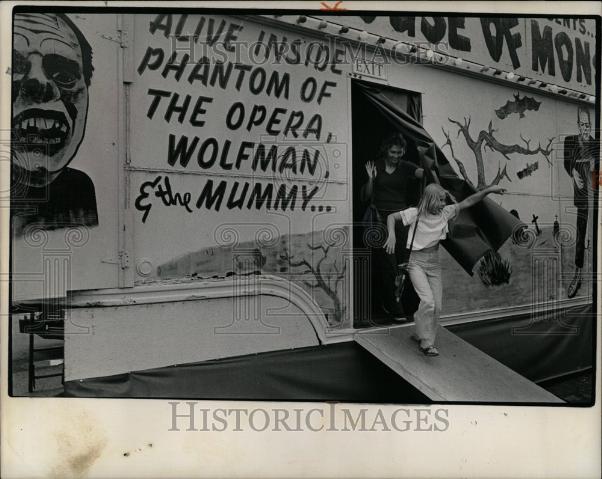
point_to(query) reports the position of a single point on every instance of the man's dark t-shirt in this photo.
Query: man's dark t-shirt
(395, 191)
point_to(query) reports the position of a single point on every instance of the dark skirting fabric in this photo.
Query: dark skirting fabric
(555, 344)
(540, 346)
(341, 372)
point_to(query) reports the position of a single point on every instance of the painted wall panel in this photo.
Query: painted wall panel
(528, 155)
(244, 193)
(106, 341)
(65, 233)
(240, 163)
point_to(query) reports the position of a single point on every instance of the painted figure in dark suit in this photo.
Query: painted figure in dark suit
(580, 155)
(52, 67)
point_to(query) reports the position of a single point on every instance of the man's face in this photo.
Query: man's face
(50, 97)
(584, 125)
(395, 154)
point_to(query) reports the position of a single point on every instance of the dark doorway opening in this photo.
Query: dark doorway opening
(369, 128)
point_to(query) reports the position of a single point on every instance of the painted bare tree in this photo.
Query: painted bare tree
(327, 279)
(486, 139)
(492, 268)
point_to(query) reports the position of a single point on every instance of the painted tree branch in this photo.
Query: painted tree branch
(325, 249)
(465, 130)
(322, 280)
(475, 146)
(501, 173)
(487, 140)
(461, 166)
(340, 274)
(506, 150)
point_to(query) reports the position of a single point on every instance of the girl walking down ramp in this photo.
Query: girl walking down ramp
(430, 222)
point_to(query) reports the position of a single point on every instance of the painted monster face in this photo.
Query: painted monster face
(50, 97)
(584, 124)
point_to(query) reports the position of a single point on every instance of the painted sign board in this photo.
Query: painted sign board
(240, 160)
(369, 68)
(553, 50)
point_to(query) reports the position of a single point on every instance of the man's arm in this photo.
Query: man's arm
(368, 188)
(366, 191)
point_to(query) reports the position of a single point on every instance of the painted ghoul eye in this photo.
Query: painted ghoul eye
(64, 79)
(62, 71)
(20, 65)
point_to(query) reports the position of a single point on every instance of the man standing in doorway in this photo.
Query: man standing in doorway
(580, 164)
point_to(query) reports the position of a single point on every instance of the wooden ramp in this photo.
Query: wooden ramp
(461, 373)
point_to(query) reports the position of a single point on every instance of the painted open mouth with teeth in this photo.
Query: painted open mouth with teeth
(37, 129)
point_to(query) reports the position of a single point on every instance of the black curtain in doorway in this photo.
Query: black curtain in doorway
(483, 227)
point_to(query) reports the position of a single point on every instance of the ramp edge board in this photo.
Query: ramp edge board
(460, 373)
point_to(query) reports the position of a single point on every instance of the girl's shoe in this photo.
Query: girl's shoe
(429, 351)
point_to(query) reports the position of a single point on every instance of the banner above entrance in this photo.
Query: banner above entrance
(560, 51)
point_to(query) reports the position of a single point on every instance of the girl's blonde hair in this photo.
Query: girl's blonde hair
(430, 198)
